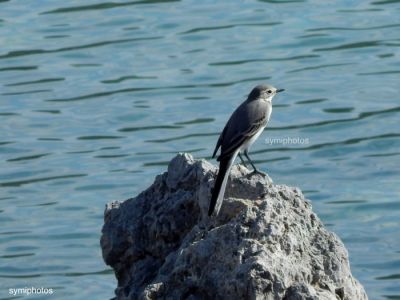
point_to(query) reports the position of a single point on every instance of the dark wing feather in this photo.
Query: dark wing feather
(221, 137)
(242, 137)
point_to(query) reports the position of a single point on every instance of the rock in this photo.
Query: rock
(266, 243)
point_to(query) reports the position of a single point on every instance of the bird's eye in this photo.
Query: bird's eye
(269, 92)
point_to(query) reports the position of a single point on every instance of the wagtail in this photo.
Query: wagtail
(244, 126)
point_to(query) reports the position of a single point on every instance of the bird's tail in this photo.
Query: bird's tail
(220, 184)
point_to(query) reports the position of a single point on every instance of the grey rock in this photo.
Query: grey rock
(266, 243)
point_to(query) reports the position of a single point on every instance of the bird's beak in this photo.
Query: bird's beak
(279, 90)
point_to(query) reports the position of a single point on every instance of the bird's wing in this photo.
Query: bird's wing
(221, 137)
(241, 137)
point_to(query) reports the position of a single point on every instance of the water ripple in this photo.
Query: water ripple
(311, 101)
(196, 121)
(352, 46)
(27, 92)
(57, 36)
(358, 10)
(101, 6)
(385, 2)
(19, 68)
(112, 156)
(354, 28)
(182, 137)
(48, 111)
(339, 110)
(380, 73)
(19, 53)
(320, 67)
(100, 94)
(389, 277)
(245, 61)
(28, 157)
(35, 180)
(99, 137)
(124, 78)
(200, 29)
(44, 80)
(156, 127)
(382, 154)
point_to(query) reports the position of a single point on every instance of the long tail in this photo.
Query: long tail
(220, 184)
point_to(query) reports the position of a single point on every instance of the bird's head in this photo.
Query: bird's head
(263, 91)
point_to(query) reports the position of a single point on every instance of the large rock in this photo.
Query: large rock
(266, 242)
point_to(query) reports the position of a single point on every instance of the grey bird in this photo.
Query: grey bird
(244, 126)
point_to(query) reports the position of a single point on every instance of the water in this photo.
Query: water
(97, 97)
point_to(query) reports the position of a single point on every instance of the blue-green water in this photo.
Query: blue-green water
(97, 97)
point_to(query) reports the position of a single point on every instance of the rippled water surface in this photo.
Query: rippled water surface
(97, 97)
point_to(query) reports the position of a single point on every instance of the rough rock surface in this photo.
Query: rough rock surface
(266, 242)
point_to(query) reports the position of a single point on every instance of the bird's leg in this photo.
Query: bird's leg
(255, 171)
(243, 162)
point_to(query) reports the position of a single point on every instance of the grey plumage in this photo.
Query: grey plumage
(243, 127)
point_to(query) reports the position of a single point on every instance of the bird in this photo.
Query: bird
(243, 128)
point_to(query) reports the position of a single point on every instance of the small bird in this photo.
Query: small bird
(244, 126)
